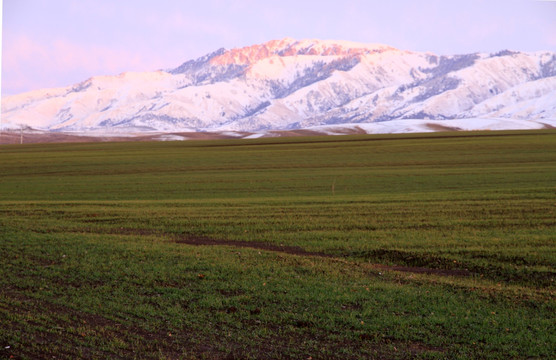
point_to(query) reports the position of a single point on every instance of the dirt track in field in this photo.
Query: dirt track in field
(285, 249)
(296, 250)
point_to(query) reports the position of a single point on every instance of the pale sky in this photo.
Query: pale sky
(53, 43)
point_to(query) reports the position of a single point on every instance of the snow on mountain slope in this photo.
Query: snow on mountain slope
(290, 84)
(531, 100)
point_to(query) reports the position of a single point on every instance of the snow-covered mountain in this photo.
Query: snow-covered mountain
(290, 84)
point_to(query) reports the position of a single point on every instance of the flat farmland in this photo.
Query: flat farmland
(425, 246)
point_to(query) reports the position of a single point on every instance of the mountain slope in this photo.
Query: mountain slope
(290, 84)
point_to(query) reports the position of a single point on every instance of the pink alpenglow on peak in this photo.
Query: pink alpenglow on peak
(291, 47)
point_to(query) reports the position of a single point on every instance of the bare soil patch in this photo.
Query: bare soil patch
(439, 127)
(424, 270)
(300, 132)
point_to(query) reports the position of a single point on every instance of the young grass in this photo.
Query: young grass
(426, 246)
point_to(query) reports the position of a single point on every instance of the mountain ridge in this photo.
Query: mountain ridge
(293, 84)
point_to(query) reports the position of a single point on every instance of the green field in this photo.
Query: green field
(427, 246)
